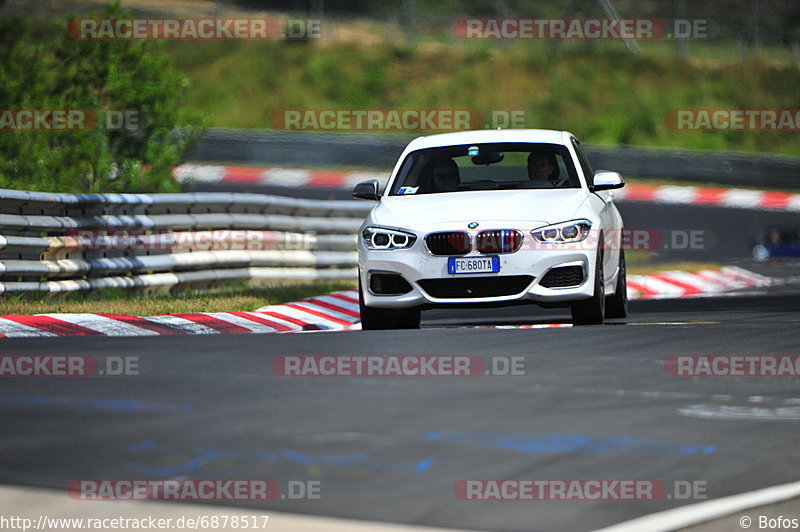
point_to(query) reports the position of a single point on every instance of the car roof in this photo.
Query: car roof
(548, 136)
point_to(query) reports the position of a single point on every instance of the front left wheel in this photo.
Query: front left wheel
(617, 305)
(385, 318)
(591, 311)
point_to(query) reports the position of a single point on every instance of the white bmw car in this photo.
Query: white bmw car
(491, 218)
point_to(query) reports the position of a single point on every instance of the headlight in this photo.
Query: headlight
(563, 233)
(380, 238)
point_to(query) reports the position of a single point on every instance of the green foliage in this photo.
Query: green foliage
(108, 79)
(238, 296)
(605, 97)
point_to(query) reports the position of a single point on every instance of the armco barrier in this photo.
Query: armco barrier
(308, 149)
(65, 242)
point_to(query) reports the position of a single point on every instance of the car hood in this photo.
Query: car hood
(526, 206)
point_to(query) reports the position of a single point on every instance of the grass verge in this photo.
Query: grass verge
(641, 263)
(604, 98)
(233, 298)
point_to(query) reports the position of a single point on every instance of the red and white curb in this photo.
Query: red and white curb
(335, 311)
(680, 284)
(278, 177)
(736, 198)
(665, 194)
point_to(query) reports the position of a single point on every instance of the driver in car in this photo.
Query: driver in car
(542, 167)
(445, 176)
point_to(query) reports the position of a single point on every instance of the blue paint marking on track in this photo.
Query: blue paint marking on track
(202, 456)
(567, 443)
(336, 460)
(144, 445)
(114, 405)
(424, 465)
(190, 465)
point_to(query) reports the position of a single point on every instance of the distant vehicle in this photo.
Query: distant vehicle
(487, 218)
(777, 242)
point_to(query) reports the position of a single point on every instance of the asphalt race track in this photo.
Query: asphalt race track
(594, 402)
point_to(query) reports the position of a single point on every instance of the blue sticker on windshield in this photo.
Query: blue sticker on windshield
(408, 190)
(472, 151)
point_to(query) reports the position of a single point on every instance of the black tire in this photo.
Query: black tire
(383, 318)
(617, 305)
(591, 311)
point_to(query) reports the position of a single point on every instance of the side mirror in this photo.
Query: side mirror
(606, 180)
(367, 190)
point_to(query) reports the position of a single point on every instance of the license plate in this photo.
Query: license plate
(473, 265)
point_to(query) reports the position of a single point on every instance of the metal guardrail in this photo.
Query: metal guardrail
(65, 242)
(314, 149)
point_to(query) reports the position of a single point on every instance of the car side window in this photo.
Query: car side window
(584, 162)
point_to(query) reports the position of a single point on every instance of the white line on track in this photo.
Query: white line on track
(706, 511)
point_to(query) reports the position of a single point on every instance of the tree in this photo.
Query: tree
(110, 79)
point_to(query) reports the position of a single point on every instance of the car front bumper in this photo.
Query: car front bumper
(417, 264)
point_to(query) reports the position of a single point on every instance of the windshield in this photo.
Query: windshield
(781, 236)
(486, 167)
